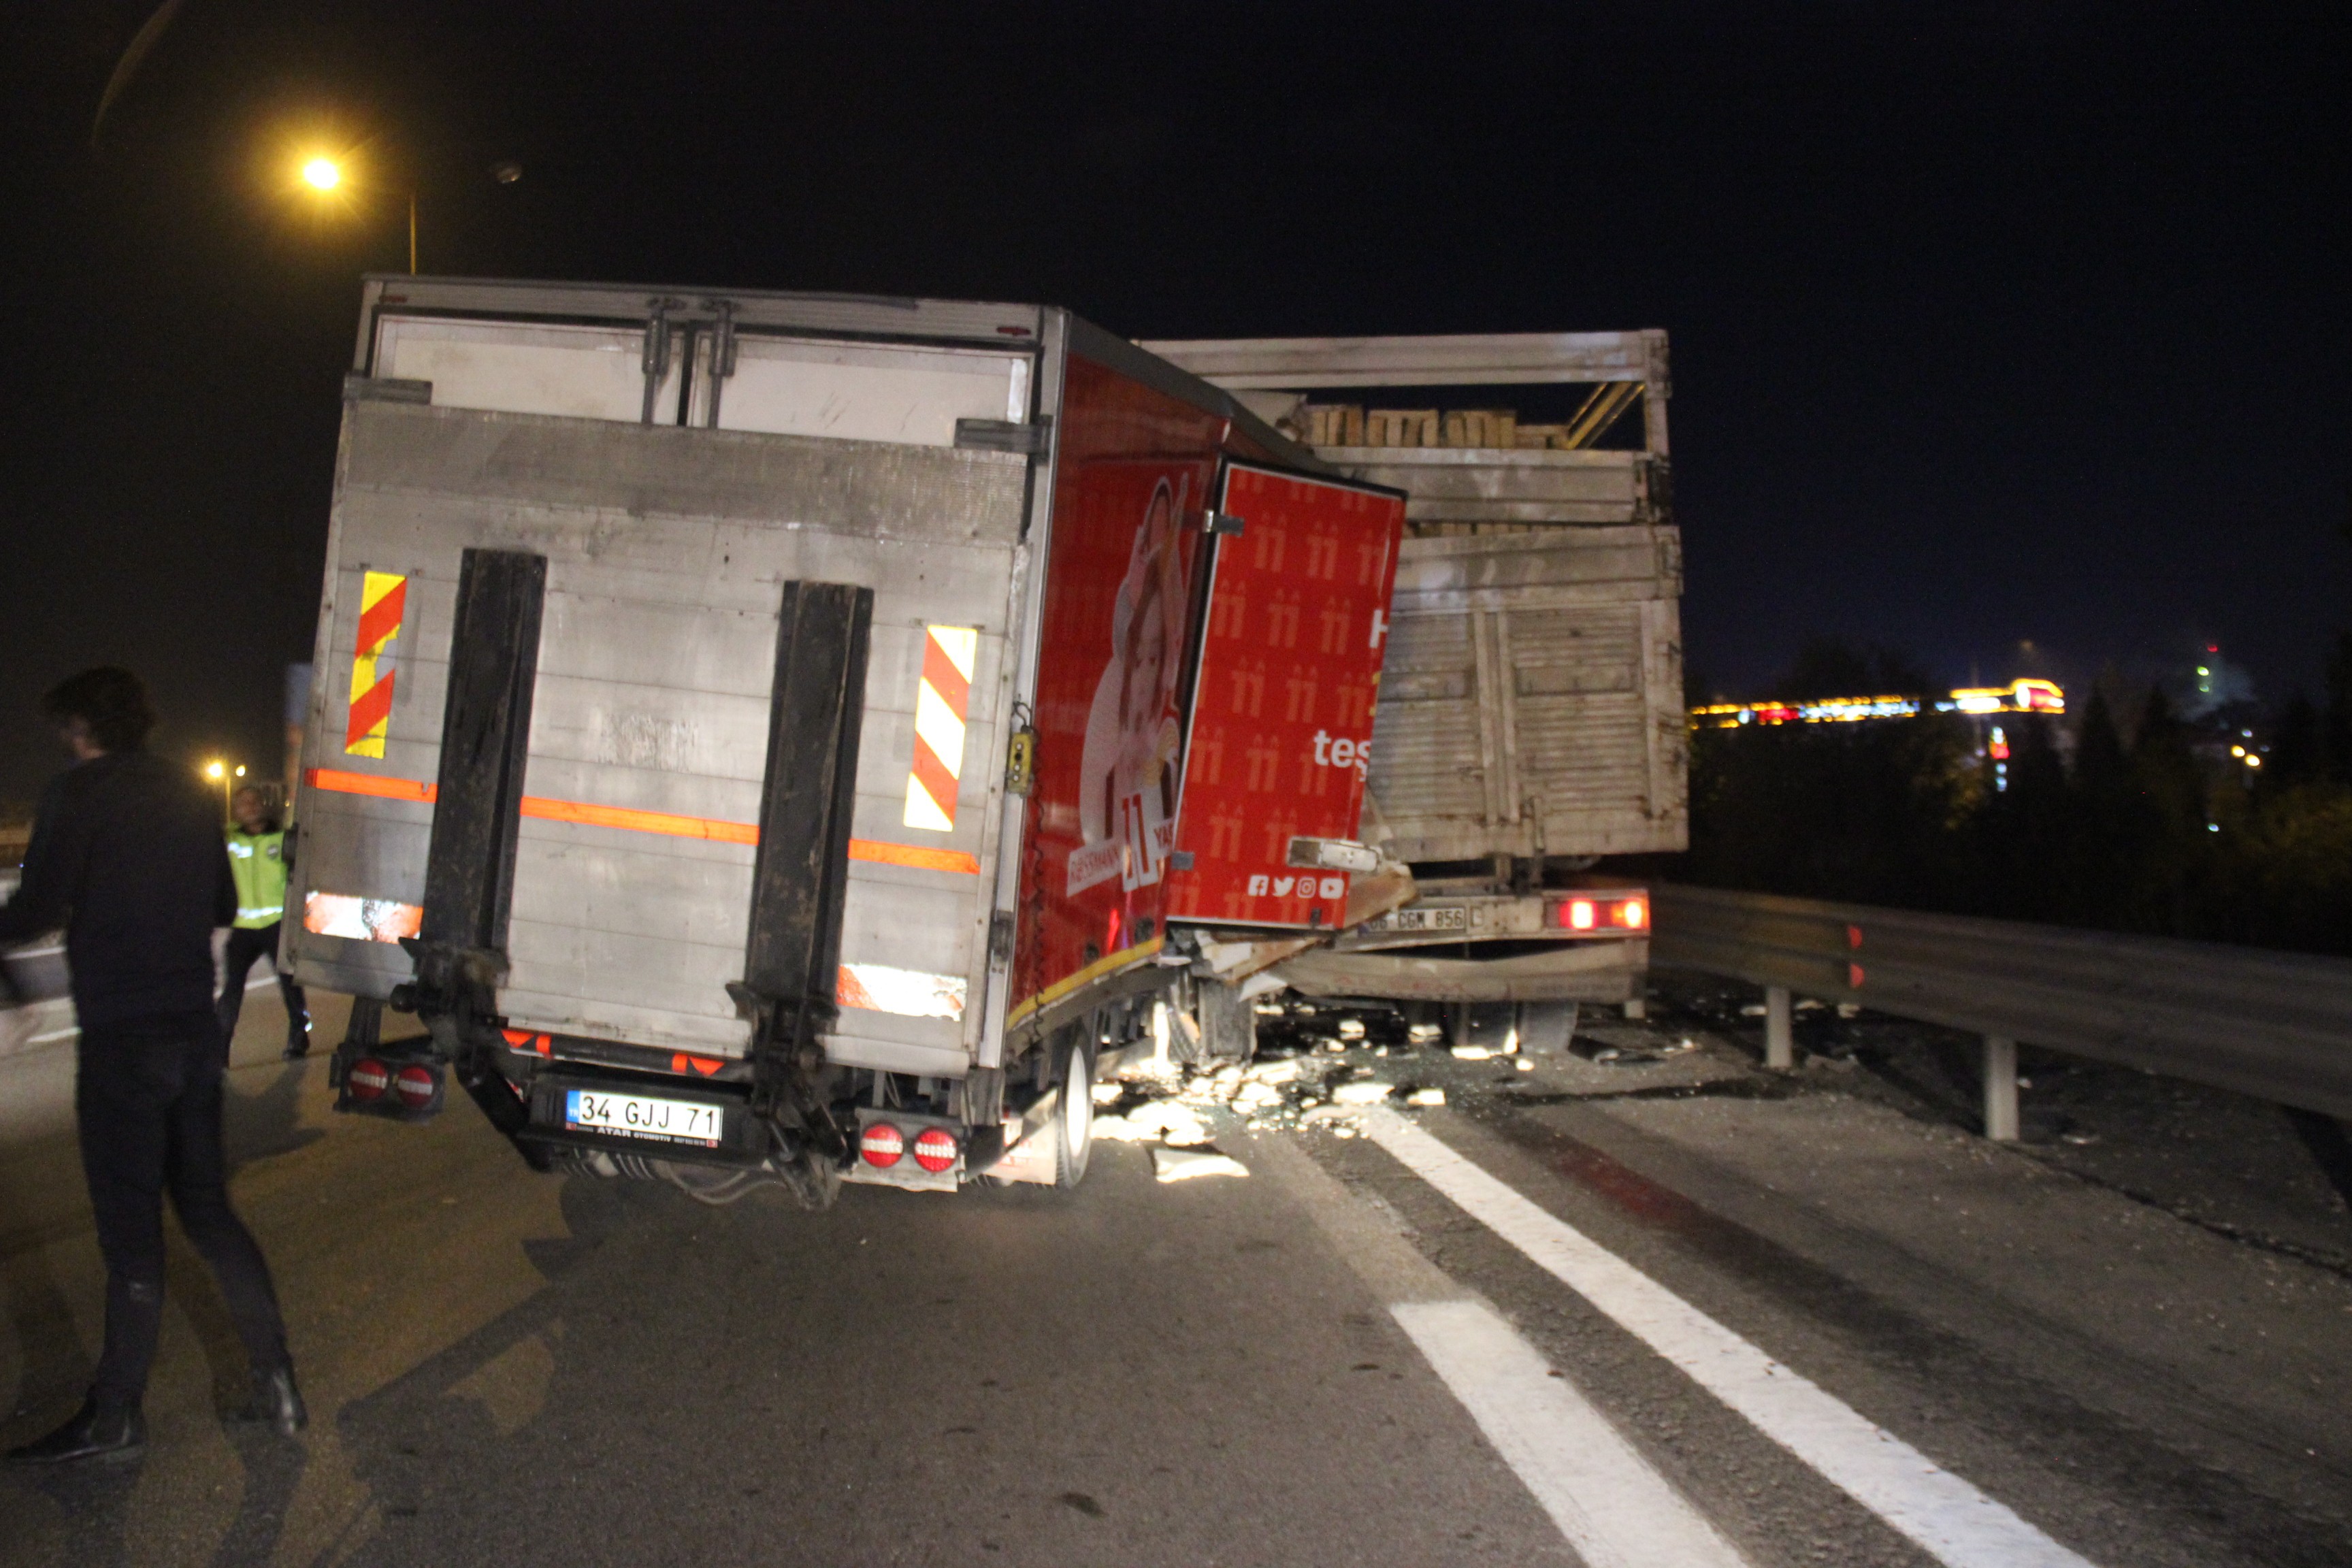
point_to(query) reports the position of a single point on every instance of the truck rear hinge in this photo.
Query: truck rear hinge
(1005, 436)
(385, 389)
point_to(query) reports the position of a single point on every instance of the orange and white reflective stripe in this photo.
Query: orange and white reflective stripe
(910, 993)
(942, 700)
(717, 830)
(383, 600)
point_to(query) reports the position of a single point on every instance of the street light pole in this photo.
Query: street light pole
(323, 175)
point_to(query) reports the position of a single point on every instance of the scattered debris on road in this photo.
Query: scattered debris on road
(1184, 1164)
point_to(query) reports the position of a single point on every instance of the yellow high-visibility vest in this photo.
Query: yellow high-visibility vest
(258, 859)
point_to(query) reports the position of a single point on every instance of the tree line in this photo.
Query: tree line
(2121, 816)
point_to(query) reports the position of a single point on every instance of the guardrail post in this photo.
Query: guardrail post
(1779, 1042)
(1462, 1023)
(2001, 1088)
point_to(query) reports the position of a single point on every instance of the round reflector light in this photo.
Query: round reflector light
(368, 1078)
(935, 1150)
(414, 1087)
(881, 1145)
(1636, 913)
(1579, 914)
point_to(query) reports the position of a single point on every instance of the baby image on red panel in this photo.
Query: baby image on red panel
(1128, 799)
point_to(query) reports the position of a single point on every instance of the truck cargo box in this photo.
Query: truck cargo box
(732, 705)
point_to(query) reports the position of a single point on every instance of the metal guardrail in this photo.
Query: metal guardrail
(2274, 1025)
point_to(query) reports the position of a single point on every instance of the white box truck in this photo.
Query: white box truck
(772, 736)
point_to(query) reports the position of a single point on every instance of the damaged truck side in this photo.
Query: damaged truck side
(1531, 720)
(786, 737)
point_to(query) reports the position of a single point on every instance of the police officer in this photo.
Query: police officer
(257, 858)
(126, 855)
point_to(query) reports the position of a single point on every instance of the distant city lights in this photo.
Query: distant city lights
(2027, 696)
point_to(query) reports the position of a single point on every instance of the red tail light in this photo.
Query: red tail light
(881, 1145)
(368, 1078)
(1599, 911)
(415, 1086)
(935, 1150)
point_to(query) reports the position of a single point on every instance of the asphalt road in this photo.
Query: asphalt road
(1369, 1351)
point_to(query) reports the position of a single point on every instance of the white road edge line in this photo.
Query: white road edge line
(1614, 1508)
(1946, 1516)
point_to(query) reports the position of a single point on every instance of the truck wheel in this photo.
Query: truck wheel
(1073, 1130)
(1228, 1023)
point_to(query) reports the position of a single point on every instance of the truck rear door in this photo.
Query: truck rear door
(1280, 719)
(667, 551)
(1530, 701)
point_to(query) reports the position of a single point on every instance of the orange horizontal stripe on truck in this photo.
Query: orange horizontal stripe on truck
(713, 829)
(343, 783)
(710, 827)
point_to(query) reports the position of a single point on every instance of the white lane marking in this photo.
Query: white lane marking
(1614, 1508)
(76, 1029)
(1957, 1524)
(1600, 1493)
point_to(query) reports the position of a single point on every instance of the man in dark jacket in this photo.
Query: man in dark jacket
(126, 855)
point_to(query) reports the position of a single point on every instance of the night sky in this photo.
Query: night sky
(1990, 322)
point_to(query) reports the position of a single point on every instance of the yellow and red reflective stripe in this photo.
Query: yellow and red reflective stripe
(384, 601)
(714, 829)
(942, 703)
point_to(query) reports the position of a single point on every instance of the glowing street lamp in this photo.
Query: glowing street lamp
(326, 175)
(330, 175)
(220, 773)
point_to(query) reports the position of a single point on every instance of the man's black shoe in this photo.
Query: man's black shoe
(295, 1053)
(276, 1402)
(91, 1434)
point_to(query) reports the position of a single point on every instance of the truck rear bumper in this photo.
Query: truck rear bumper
(1571, 972)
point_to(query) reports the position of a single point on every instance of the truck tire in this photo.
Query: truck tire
(1073, 1117)
(1228, 1022)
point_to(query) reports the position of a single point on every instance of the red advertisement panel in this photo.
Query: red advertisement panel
(1282, 711)
(1135, 470)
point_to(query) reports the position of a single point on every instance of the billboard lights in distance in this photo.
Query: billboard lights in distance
(2026, 696)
